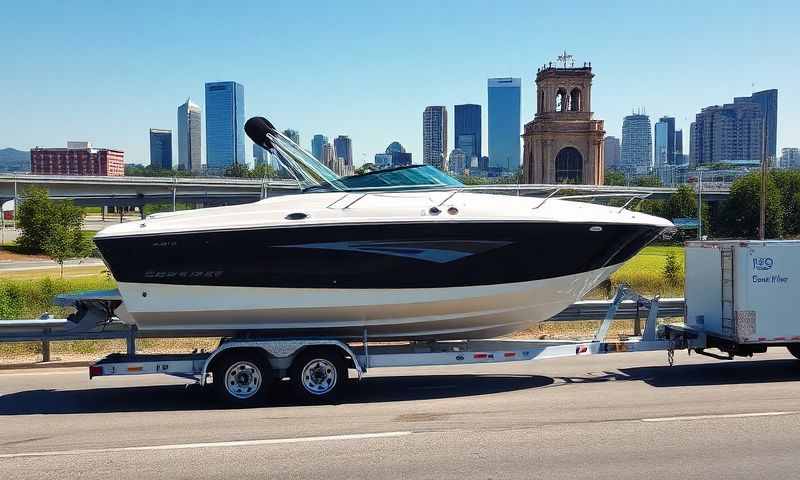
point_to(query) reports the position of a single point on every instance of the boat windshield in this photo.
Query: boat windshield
(307, 170)
(313, 175)
(401, 178)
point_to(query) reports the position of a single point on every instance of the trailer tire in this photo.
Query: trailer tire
(318, 376)
(241, 379)
(794, 349)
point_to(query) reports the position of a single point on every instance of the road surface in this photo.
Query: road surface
(616, 416)
(24, 265)
(94, 224)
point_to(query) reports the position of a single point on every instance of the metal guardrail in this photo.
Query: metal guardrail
(628, 310)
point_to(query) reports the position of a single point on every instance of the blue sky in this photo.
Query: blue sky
(108, 71)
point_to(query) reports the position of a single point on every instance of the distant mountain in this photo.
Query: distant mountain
(13, 160)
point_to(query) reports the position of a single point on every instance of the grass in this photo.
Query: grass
(30, 298)
(28, 295)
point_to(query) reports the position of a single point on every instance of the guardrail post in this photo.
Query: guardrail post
(46, 347)
(130, 341)
(637, 322)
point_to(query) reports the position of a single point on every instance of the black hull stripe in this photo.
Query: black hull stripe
(373, 256)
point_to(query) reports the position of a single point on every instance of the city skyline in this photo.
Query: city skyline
(148, 85)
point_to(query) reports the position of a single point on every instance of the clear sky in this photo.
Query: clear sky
(108, 71)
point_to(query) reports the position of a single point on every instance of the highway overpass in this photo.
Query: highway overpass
(138, 191)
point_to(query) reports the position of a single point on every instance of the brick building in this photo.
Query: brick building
(77, 161)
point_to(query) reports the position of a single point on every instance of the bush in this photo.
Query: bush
(672, 270)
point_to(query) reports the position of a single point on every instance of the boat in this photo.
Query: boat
(405, 253)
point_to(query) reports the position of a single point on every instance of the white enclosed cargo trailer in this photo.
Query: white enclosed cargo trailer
(744, 295)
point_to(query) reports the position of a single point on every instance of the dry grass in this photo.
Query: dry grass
(23, 352)
(70, 272)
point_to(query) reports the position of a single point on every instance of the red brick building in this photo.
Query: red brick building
(73, 161)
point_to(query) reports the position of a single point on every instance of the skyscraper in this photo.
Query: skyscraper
(467, 126)
(400, 157)
(731, 133)
(189, 156)
(293, 135)
(664, 151)
(383, 160)
(224, 125)
(457, 161)
(504, 123)
(161, 149)
(768, 101)
(434, 136)
(678, 144)
(637, 141)
(661, 150)
(328, 155)
(317, 142)
(611, 152)
(790, 158)
(344, 149)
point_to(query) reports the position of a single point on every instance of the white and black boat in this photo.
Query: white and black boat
(401, 254)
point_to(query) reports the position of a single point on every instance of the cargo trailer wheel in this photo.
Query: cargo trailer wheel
(318, 376)
(241, 379)
(794, 349)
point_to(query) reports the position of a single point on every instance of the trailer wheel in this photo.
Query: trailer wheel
(794, 349)
(318, 376)
(241, 379)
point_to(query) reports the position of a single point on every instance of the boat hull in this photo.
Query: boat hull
(440, 313)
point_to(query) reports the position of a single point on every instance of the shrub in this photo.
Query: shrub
(672, 270)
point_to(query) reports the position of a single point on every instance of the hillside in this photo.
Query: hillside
(13, 160)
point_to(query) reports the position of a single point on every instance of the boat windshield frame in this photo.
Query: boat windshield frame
(313, 176)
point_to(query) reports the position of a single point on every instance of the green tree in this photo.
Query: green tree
(614, 177)
(263, 170)
(366, 168)
(65, 242)
(34, 218)
(788, 182)
(648, 181)
(683, 203)
(150, 171)
(740, 213)
(52, 227)
(652, 207)
(238, 170)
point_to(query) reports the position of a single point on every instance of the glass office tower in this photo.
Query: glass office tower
(224, 125)
(161, 149)
(189, 142)
(504, 123)
(468, 129)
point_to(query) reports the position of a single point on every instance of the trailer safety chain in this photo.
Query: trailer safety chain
(671, 356)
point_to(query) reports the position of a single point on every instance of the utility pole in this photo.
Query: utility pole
(700, 205)
(762, 223)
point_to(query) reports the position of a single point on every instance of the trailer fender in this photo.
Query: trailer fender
(279, 349)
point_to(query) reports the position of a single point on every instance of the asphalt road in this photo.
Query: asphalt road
(616, 416)
(24, 265)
